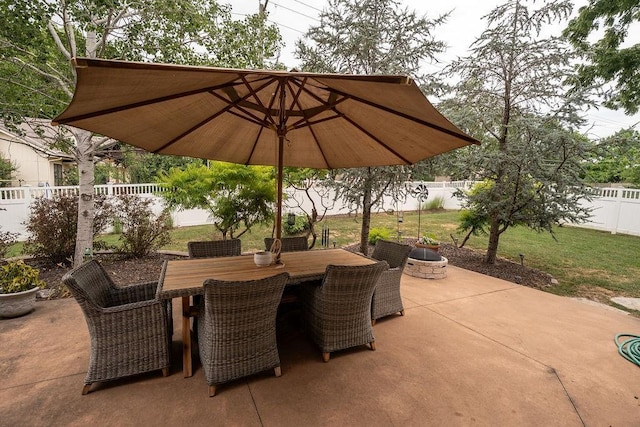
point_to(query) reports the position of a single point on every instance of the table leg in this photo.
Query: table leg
(187, 368)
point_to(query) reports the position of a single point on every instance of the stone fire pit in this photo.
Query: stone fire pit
(426, 264)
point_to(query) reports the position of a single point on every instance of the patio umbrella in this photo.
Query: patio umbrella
(260, 117)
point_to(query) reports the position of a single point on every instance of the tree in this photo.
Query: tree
(235, 195)
(617, 159)
(144, 167)
(306, 180)
(39, 38)
(606, 60)
(512, 97)
(370, 37)
(365, 188)
(6, 172)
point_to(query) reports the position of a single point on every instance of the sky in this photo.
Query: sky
(465, 23)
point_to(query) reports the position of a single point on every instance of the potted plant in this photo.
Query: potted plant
(18, 286)
(428, 241)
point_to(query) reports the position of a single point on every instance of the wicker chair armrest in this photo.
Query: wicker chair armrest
(138, 305)
(395, 273)
(136, 322)
(134, 293)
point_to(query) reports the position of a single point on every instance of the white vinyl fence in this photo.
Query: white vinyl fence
(616, 210)
(15, 203)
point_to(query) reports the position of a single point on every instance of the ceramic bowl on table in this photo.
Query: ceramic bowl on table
(263, 258)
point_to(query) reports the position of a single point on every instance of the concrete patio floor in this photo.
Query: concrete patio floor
(471, 350)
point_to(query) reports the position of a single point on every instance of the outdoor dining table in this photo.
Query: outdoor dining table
(185, 278)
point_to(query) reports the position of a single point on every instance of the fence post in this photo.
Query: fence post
(617, 210)
(325, 236)
(27, 202)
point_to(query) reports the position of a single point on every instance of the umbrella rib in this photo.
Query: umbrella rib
(308, 114)
(313, 133)
(193, 128)
(237, 101)
(332, 107)
(305, 120)
(254, 93)
(296, 96)
(249, 115)
(230, 105)
(408, 117)
(370, 135)
(305, 123)
(266, 113)
(144, 103)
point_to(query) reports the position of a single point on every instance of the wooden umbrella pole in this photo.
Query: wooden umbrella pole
(279, 179)
(282, 130)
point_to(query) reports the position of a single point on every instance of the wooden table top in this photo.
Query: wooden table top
(182, 278)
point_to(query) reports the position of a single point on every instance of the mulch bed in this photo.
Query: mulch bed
(125, 270)
(473, 260)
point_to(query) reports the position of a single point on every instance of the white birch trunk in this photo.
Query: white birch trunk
(86, 209)
(86, 179)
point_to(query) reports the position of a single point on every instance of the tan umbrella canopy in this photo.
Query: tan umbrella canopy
(260, 117)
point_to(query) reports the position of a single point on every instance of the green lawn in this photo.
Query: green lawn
(582, 260)
(585, 262)
(579, 258)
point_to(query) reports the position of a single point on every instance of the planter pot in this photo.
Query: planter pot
(17, 304)
(434, 248)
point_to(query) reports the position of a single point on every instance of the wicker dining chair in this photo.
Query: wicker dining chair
(386, 298)
(214, 248)
(211, 249)
(237, 328)
(129, 327)
(289, 244)
(338, 312)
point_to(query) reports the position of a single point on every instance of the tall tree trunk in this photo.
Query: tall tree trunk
(366, 214)
(312, 226)
(86, 208)
(496, 215)
(86, 177)
(494, 238)
(498, 194)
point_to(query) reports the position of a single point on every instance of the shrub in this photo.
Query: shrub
(6, 240)
(117, 226)
(142, 231)
(299, 226)
(52, 226)
(16, 276)
(7, 168)
(434, 204)
(376, 234)
(429, 239)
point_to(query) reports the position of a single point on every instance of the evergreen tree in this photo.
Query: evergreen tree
(511, 96)
(370, 37)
